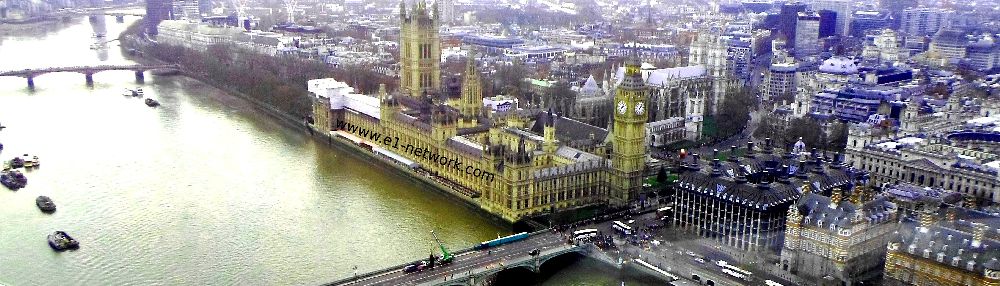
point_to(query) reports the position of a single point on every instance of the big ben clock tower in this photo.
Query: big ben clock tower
(628, 157)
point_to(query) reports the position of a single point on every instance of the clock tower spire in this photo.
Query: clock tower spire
(628, 157)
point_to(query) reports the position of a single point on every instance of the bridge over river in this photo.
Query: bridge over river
(473, 267)
(88, 71)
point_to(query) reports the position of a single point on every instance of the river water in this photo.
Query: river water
(204, 190)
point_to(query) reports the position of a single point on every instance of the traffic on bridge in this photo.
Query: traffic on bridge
(470, 266)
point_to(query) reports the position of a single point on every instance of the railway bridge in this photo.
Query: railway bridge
(87, 71)
(473, 267)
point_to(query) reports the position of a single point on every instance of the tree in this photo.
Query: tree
(770, 127)
(510, 79)
(838, 137)
(661, 176)
(734, 112)
(809, 130)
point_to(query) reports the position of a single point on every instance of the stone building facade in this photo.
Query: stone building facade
(960, 248)
(515, 163)
(838, 239)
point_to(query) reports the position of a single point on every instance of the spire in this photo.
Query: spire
(649, 13)
(470, 63)
(437, 11)
(382, 94)
(402, 9)
(632, 64)
(549, 120)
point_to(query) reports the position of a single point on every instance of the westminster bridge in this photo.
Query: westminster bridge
(474, 267)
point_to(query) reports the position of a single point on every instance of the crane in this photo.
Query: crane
(446, 256)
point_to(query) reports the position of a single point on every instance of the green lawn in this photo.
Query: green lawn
(708, 127)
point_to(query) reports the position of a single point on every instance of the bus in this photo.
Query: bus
(734, 274)
(664, 211)
(622, 227)
(501, 241)
(732, 268)
(584, 234)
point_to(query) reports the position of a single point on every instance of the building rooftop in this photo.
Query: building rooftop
(839, 65)
(570, 132)
(766, 180)
(969, 243)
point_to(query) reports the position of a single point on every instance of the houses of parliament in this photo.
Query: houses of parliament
(538, 161)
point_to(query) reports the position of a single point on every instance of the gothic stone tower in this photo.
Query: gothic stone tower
(628, 158)
(471, 104)
(419, 49)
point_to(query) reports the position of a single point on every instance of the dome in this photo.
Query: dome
(839, 65)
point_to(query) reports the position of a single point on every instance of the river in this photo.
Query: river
(205, 189)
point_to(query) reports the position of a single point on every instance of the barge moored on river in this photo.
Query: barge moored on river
(13, 180)
(60, 241)
(45, 204)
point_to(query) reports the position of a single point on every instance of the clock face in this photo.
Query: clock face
(622, 107)
(639, 109)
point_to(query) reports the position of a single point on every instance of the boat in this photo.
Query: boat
(17, 162)
(13, 180)
(152, 102)
(60, 241)
(31, 161)
(45, 204)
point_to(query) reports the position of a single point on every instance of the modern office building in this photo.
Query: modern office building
(807, 34)
(924, 21)
(842, 8)
(788, 18)
(867, 21)
(827, 23)
(948, 46)
(984, 53)
(156, 12)
(895, 9)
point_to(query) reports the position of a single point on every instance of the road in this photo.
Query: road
(672, 254)
(471, 262)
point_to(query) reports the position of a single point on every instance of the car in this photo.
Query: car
(415, 267)
(689, 253)
(699, 260)
(534, 252)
